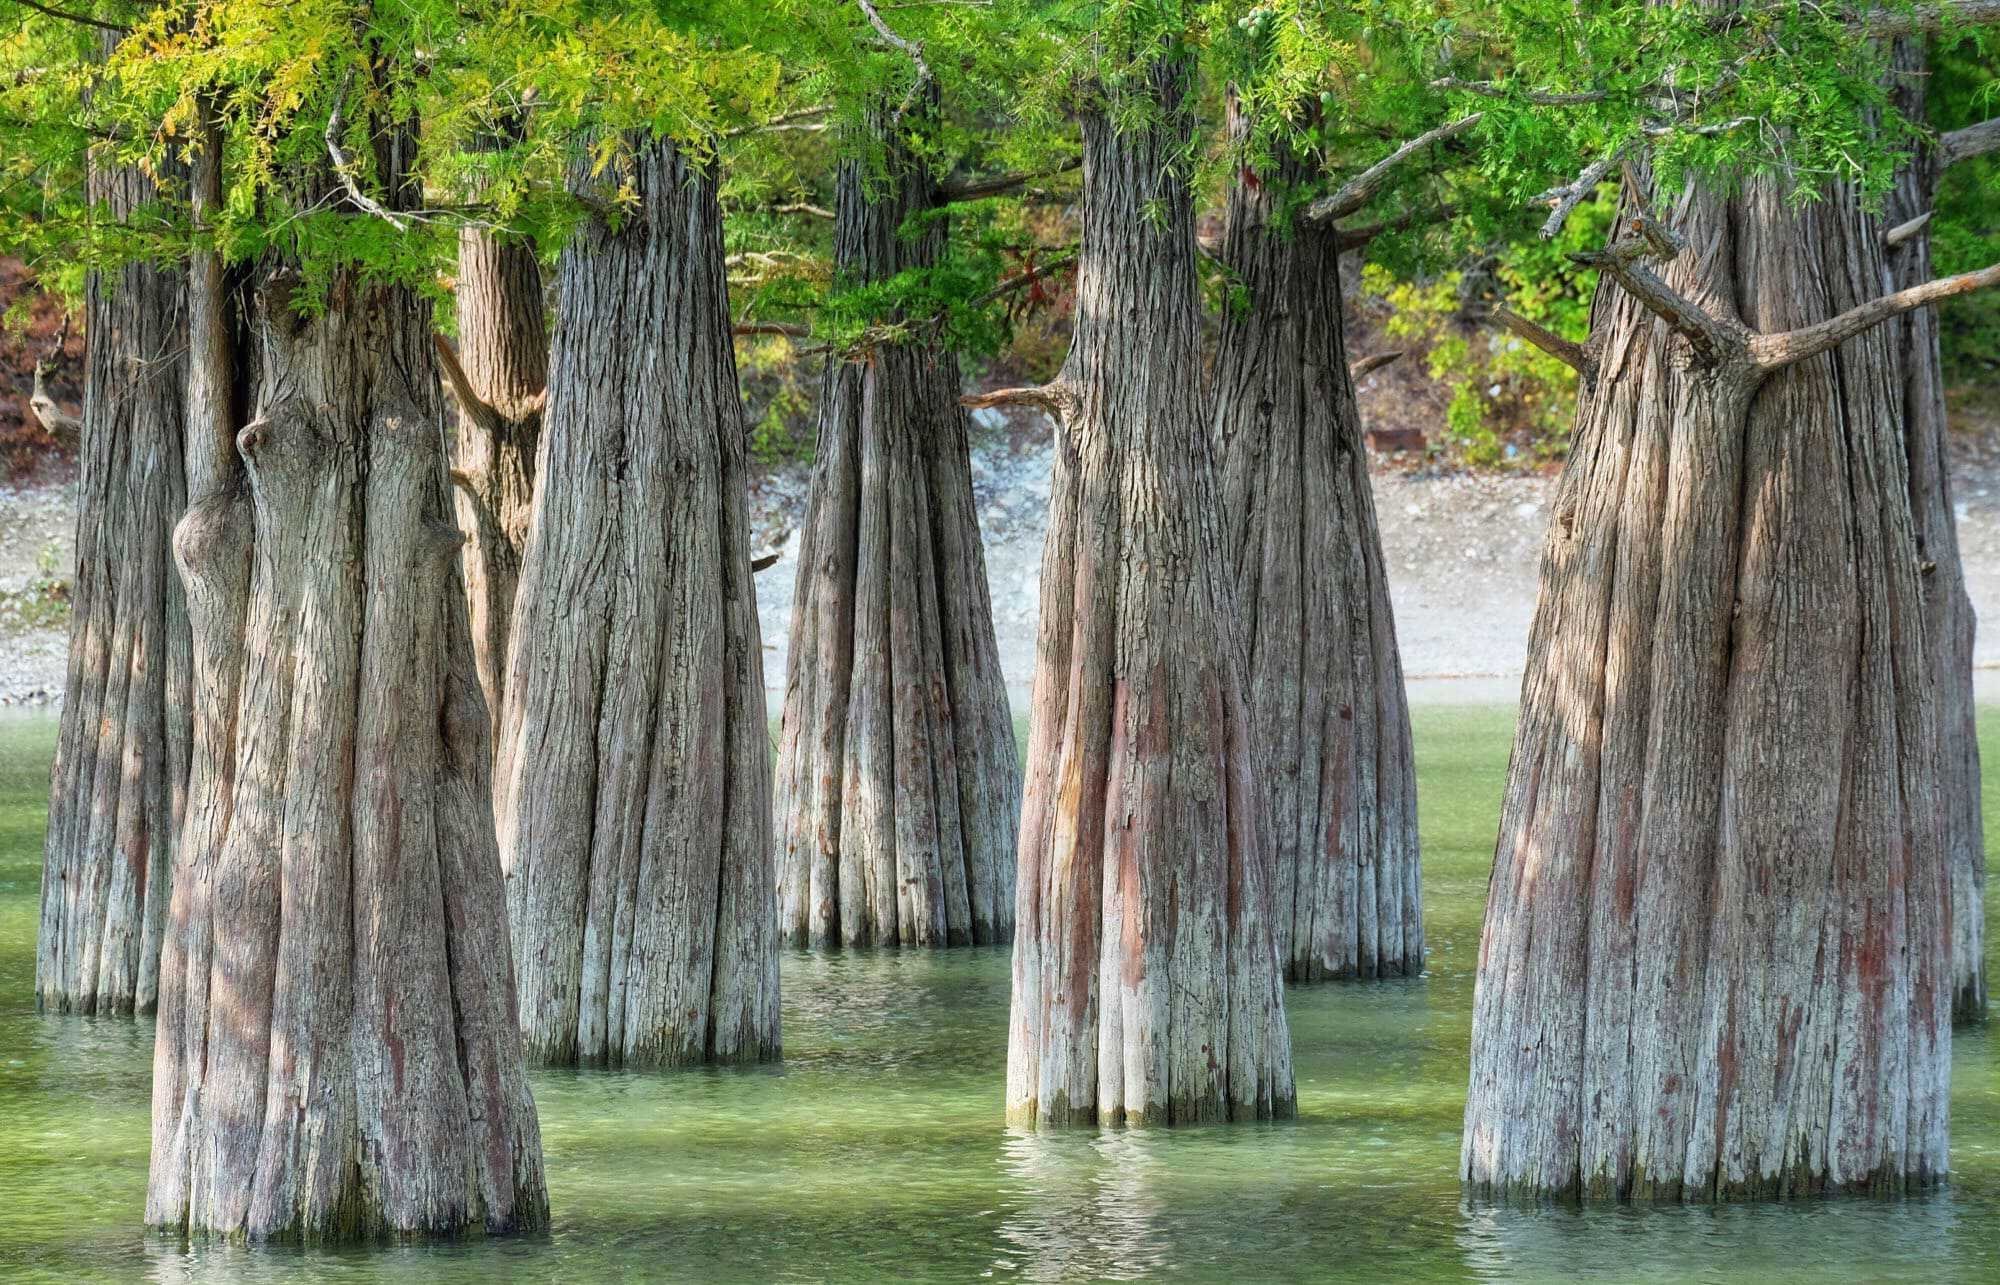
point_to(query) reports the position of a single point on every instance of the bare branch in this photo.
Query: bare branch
(803, 207)
(1541, 98)
(1354, 236)
(1565, 199)
(343, 164)
(1904, 231)
(768, 560)
(82, 19)
(1361, 189)
(1973, 140)
(1716, 340)
(1926, 20)
(914, 49)
(976, 187)
(1023, 279)
(1563, 350)
(1368, 365)
(1773, 352)
(787, 329)
(476, 407)
(1054, 398)
(784, 121)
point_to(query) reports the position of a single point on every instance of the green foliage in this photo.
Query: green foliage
(1965, 230)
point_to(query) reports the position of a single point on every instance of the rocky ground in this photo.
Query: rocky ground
(1462, 550)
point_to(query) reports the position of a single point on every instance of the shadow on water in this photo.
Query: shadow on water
(878, 1149)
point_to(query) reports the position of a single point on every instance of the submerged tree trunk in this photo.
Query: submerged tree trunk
(119, 782)
(499, 372)
(338, 1055)
(898, 786)
(1327, 713)
(1715, 953)
(1147, 985)
(1948, 615)
(635, 780)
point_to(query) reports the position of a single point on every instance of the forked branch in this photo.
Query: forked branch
(1717, 340)
(913, 49)
(1774, 352)
(343, 164)
(1363, 187)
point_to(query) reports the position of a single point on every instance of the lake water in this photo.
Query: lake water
(878, 1150)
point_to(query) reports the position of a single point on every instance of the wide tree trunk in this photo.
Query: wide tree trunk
(1948, 615)
(1328, 718)
(120, 777)
(1715, 954)
(500, 378)
(635, 790)
(338, 1053)
(1147, 984)
(898, 784)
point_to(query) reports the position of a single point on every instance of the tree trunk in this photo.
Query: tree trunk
(338, 1055)
(1327, 710)
(119, 782)
(898, 786)
(635, 791)
(503, 359)
(1714, 963)
(1147, 985)
(1949, 619)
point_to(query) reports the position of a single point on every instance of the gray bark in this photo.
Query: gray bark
(118, 785)
(337, 1055)
(635, 786)
(898, 784)
(1328, 717)
(1714, 962)
(502, 359)
(1147, 984)
(1949, 619)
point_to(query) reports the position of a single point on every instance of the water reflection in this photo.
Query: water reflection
(1084, 1205)
(1879, 1240)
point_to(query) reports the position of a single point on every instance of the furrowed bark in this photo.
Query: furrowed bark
(898, 784)
(1327, 709)
(635, 788)
(1949, 619)
(1147, 984)
(502, 357)
(338, 1055)
(119, 781)
(1715, 959)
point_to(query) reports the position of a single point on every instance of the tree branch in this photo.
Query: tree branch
(82, 19)
(976, 187)
(1354, 236)
(1926, 20)
(1566, 199)
(1368, 365)
(343, 164)
(914, 49)
(803, 207)
(1774, 352)
(789, 330)
(478, 408)
(1973, 140)
(1024, 278)
(785, 120)
(1563, 350)
(1904, 231)
(768, 560)
(1541, 98)
(1054, 397)
(1361, 189)
(1716, 340)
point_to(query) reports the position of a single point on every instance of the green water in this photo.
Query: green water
(878, 1150)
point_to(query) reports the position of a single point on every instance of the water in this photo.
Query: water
(878, 1150)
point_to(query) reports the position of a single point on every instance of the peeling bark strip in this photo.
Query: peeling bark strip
(635, 780)
(338, 1056)
(1147, 985)
(119, 781)
(1715, 953)
(498, 375)
(1949, 620)
(1327, 712)
(898, 784)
